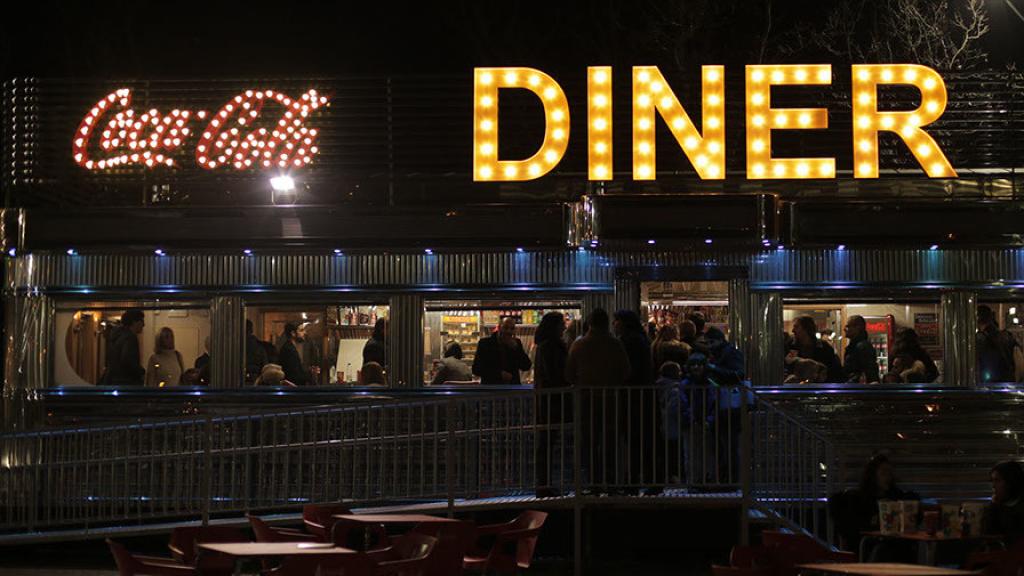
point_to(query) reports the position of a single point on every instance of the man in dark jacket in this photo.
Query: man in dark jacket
(124, 367)
(860, 362)
(500, 357)
(994, 349)
(255, 354)
(291, 361)
(637, 407)
(376, 348)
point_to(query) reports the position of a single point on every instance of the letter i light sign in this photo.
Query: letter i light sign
(704, 145)
(241, 135)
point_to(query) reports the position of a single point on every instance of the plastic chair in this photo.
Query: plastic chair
(341, 564)
(454, 540)
(183, 546)
(266, 533)
(409, 556)
(750, 557)
(360, 536)
(129, 564)
(739, 571)
(1008, 562)
(514, 543)
(788, 550)
(319, 521)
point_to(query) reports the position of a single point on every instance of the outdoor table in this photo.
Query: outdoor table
(451, 545)
(242, 551)
(883, 569)
(927, 544)
(394, 518)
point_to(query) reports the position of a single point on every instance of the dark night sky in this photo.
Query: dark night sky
(121, 39)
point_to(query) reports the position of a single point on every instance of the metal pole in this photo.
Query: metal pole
(207, 465)
(745, 469)
(577, 507)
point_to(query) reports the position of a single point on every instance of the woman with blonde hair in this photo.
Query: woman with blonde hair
(165, 366)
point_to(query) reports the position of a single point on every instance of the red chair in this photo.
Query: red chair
(183, 546)
(1008, 562)
(342, 564)
(759, 557)
(454, 541)
(362, 536)
(266, 533)
(129, 564)
(739, 571)
(410, 556)
(789, 550)
(318, 518)
(514, 543)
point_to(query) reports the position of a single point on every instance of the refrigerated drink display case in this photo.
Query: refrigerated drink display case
(881, 334)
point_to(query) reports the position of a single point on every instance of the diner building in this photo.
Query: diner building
(379, 217)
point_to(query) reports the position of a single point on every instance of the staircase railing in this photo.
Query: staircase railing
(794, 471)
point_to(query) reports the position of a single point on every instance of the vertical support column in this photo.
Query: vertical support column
(765, 362)
(627, 292)
(592, 300)
(28, 335)
(227, 342)
(959, 324)
(405, 341)
(739, 317)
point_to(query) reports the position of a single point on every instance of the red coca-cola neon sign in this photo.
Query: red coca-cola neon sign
(112, 134)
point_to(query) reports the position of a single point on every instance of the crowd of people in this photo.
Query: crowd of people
(856, 511)
(616, 352)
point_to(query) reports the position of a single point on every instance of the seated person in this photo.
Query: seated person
(856, 511)
(272, 375)
(1005, 516)
(907, 369)
(805, 371)
(372, 374)
(451, 367)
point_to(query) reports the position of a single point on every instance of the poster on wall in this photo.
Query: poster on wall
(927, 326)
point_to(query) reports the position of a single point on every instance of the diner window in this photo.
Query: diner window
(673, 303)
(452, 326)
(316, 344)
(998, 341)
(897, 342)
(171, 344)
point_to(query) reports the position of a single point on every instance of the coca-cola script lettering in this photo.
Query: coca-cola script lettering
(112, 134)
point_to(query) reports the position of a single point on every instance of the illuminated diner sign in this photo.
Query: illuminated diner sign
(704, 147)
(241, 135)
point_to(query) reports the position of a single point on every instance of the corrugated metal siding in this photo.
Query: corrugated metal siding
(769, 270)
(782, 268)
(227, 342)
(405, 354)
(959, 325)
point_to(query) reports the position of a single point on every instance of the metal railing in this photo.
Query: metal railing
(583, 442)
(794, 472)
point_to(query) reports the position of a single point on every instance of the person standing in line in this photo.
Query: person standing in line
(548, 378)
(597, 362)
